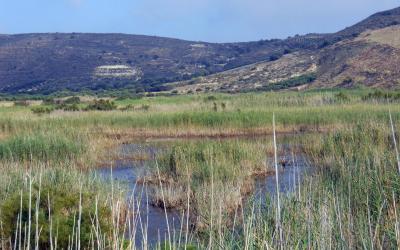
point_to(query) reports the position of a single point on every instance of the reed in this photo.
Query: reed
(42, 147)
(349, 200)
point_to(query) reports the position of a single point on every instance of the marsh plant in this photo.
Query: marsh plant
(41, 147)
(189, 169)
(49, 197)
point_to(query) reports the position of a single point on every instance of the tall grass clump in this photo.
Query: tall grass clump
(350, 202)
(189, 170)
(54, 208)
(41, 147)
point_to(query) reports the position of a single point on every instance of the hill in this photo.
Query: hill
(367, 53)
(47, 63)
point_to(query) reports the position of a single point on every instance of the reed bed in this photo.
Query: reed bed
(48, 200)
(351, 202)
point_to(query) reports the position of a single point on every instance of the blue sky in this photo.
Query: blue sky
(205, 20)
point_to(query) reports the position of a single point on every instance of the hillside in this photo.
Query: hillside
(51, 62)
(366, 53)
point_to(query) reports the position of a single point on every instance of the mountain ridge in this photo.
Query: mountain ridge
(50, 62)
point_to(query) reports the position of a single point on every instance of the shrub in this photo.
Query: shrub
(215, 107)
(128, 108)
(290, 83)
(73, 100)
(73, 108)
(48, 101)
(347, 80)
(273, 58)
(102, 105)
(145, 107)
(223, 106)
(40, 110)
(342, 97)
(64, 207)
(379, 95)
(210, 98)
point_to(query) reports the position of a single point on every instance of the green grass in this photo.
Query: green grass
(242, 111)
(229, 160)
(191, 168)
(41, 147)
(52, 200)
(350, 202)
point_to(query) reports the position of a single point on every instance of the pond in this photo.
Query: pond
(152, 224)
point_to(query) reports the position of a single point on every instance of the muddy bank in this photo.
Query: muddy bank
(228, 133)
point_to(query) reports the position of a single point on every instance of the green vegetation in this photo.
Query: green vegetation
(64, 207)
(42, 147)
(72, 107)
(39, 110)
(382, 96)
(102, 105)
(73, 100)
(290, 83)
(195, 166)
(57, 203)
(349, 200)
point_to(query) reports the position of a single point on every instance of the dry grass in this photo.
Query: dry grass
(388, 36)
(6, 104)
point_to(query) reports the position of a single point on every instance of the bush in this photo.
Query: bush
(73, 108)
(48, 101)
(379, 95)
(210, 98)
(129, 107)
(73, 100)
(290, 83)
(40, 110)
(145, 107)
(342, 97)
(102, 105)
(64, 207)
(223, 106)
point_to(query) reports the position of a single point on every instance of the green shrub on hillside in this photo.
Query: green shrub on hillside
(290, 83)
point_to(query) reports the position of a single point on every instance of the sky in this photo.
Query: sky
(196, 20)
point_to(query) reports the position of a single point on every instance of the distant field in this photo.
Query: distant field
(212, 112)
